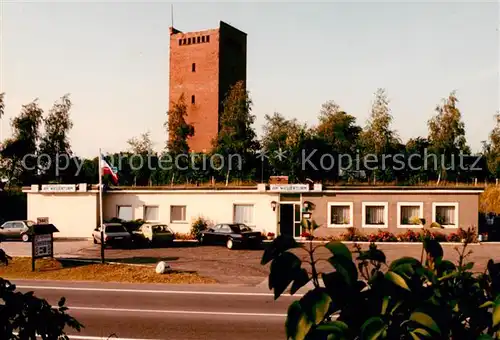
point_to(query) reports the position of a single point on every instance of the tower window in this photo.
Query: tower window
(192, 99)
(203, 39)
(180, 42)
(184, 41)
(193, 67)
(208, 38)
(198, 40)
(189, 41)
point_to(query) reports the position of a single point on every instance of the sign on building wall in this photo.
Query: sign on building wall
(58, 188)
(42, 220)
(289, 187)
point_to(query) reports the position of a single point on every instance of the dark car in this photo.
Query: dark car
(231, 235)
(16, 230)
(114, 234)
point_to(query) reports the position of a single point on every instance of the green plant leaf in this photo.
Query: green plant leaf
(280, 244)
(447, 266)
(422, 332)
(496, 315)
(433, 248)
(425, 320)
(385, 304)
(373, 328)
(297, 325)
(346, 267)
(284, 269)
(339, 249)
(403, 261)
(301, 279)
(469, 266)
(337, 327)
(315, 304)
(486, 304)
(484, 337)
(397, 280)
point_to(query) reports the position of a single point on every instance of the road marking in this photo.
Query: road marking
(128, 310)
(151, 291)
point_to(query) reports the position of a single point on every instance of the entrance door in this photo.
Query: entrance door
(289, 219)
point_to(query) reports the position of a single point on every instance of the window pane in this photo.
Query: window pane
(243, 213)
(125, 213)
(445, 215)
(375, 215)
(151, 213)
(177, 213)
(340, 214)
(409, 214)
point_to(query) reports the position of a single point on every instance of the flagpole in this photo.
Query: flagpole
(100, 206)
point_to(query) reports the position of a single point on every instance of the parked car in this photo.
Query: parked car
(231, 235)
(153, 234)
(16, 230)
(114, 234)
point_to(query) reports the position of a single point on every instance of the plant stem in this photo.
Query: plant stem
(313, 266)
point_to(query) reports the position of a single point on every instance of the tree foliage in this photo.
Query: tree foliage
(23, 316)
(364, 297)
(178, 129)
(491, 148)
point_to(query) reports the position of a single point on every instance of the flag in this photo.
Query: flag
(106, 169)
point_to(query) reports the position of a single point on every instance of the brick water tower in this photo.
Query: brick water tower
(203, 66)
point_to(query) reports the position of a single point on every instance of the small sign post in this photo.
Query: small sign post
(42, 242)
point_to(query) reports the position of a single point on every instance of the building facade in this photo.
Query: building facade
(203, 66)
(74, 209)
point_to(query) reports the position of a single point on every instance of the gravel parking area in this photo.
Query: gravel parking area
(231, 266)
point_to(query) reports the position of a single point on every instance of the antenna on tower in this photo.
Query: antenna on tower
(172, 13)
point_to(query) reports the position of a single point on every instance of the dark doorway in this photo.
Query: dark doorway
(286, 219)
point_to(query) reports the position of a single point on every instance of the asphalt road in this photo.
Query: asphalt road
(179, 312)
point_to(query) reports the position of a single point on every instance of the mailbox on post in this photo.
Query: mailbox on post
(42, 242)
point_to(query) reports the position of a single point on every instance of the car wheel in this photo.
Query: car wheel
(25, 238)
(230, 244)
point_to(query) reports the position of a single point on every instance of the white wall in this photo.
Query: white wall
(74, 214)
(215, 206)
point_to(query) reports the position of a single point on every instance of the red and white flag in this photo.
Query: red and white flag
(107, 169)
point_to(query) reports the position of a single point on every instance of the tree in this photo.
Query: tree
(24, 142)
(378, 138)
(236, 137)
(491, 149)
(447, 135)
(337, 128)
(178, 129)
(142, 147)
(55, 142)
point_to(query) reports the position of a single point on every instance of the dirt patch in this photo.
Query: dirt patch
(51, 269)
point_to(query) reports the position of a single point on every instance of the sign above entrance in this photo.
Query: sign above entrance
(289, 187)
(58, 188)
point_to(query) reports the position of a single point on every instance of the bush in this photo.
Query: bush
(184, 236)
(366, 298)
(353, 234)
(198, 226)
(382, 236)
(29, 316)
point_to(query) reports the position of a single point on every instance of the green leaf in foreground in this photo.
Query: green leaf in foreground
(425, 320)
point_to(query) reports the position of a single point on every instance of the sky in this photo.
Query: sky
(113, 59)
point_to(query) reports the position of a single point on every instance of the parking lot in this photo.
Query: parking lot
(238, 266)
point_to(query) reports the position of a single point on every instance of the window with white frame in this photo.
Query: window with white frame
(340, 214)
(375, 214)
(151, 213)
(243, 213)
(409, 214)
(177, 213)
(446, 214)
(124, 212)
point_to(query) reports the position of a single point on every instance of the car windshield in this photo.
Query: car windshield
(115, 229)
(238, 228)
